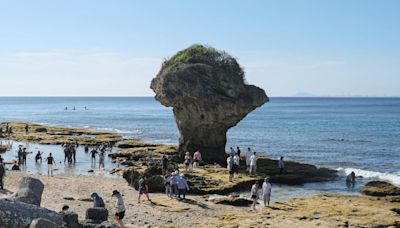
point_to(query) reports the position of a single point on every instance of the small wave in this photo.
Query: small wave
(135, 132)
(391, 177)
(348, 140)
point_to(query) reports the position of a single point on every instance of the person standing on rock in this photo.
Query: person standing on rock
(254, 195)
(26, 129)
(143, 188)
(165, 163)
(266, 191)
(229, 165)
(197, 158)
(248, 155)
(253, 164)
(50, 163)
(236, 162)
(188, 161)
(281, 165)
(2, 174)
(119, 208)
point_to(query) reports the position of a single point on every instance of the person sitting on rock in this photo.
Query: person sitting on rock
(143, 188)
(119, 208)
(15, 166)
(281, 165)
(229, 165)
(253, 164)
(266, 191)
(188, 161)
(97, 200)
(182, 186)
(197, 158)
(254, 195)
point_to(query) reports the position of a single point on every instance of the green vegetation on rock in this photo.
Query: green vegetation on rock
(208, 55)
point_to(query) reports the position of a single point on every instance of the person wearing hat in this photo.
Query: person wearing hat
(119, 208)
(266, 191)
(97, 200)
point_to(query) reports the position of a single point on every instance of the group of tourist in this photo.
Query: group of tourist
(7, 132)
(99, 202)
(191, 162)
(176, 185)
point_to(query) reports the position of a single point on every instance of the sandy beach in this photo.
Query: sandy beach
(312, 211)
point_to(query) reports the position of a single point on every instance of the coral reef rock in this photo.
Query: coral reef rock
(209, 95)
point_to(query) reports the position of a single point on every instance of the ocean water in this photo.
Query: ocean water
(347, 134)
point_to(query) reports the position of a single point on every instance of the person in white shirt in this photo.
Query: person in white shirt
(253, 163)
(229, 165)
(281, 165)
(248, 155)
(119, 208)
(266, 191)
(236, 161)
(254, 195)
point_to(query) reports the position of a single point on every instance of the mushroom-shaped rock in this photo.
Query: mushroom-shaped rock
(208, 93)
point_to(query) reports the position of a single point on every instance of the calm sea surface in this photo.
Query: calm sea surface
(360, 134)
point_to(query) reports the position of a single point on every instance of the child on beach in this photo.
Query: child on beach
(119, 208)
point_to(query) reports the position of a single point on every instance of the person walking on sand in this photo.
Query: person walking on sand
(119, 208)
(197, 158)
(254, 195)
(2, 174)
(266, 191)
(248, 155)
(143, 188)
(229, 165)
(97, 200)
(253, 164)
(165, 163)
(281, 165)
(50, 163)
(182, 186)
(174, 183)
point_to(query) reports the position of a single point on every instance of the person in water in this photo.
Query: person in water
(50, 164)
(101, 159)
(93, 155)
(143, 188)
(351, 180)
(119, 208)
(38, 157)
(97, 200)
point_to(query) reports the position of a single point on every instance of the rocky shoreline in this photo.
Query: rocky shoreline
(139, 158)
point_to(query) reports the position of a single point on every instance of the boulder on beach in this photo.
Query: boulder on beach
(209, 95)
(18, 214)
(30, 191)
(380, 188)
(42, 223)
(97, 214)
(3, 148)
(233, 201)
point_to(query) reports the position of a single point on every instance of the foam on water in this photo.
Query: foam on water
(391, 177)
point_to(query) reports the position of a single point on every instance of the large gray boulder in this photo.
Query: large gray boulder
(30, 191)
(208, 93)
(18, 214)
(70, 219)
(42, 223)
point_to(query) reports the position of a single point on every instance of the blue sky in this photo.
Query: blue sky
(115, 48)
